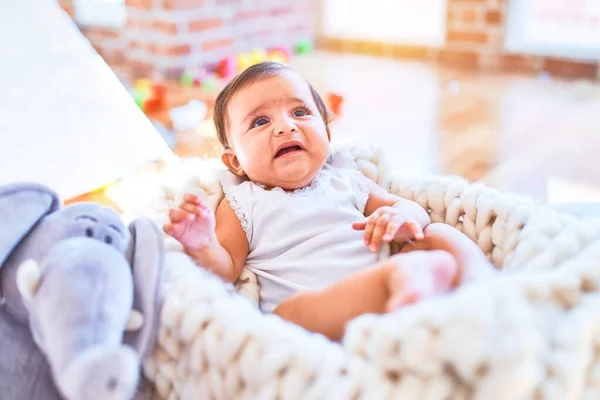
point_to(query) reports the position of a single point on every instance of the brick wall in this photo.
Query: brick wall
(167, 36)
(475, 36)
(108, 42)
(474, 33)
(180, 33)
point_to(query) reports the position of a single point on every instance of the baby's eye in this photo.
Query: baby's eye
(260, 122)
(301, 112)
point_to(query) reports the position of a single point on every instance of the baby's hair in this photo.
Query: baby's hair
(249, 76)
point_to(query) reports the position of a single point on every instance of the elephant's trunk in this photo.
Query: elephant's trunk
(101, 373)
(78, 315)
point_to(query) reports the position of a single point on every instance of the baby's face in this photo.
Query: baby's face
(276, 132)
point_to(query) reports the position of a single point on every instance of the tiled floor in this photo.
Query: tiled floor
(532, 135)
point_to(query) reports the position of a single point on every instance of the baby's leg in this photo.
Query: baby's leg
(400, 280)
(471, 261)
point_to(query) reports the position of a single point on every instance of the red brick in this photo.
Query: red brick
(469, 16)
(571, 69)
(217, 44)
(412, 52)
(467, 36)
(281, 10)
(517, 63)
(463, 59)
(247, 15)
(147, 46)
(100, 32)
(493, 17)
(204, 24)
(451, 15)
(114, 56)
(143, 4)
(183, 4)
(169, 27)
(141, 23)
(172, 50)
(138, 68)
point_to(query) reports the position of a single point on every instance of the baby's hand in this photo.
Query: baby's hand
(192, 224)
(387, 224)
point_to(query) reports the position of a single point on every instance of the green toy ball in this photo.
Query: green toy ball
(187, 79)
(304, 46)
(210, 84)
(139, 96)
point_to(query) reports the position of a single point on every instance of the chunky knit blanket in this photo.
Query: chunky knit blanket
(531, 331)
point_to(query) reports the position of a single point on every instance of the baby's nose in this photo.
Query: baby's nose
(287, 126)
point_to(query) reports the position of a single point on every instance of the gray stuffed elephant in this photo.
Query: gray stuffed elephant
(79, 297)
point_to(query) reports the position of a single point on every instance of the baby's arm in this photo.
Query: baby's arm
(379, 197)
(216, 242)
(389, 217)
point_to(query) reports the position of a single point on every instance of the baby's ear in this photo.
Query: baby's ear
(231, 161)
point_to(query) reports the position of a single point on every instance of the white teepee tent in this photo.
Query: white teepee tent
(65, 119)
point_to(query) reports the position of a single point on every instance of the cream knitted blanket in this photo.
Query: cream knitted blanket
(532, 331)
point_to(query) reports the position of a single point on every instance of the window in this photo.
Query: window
(420, 22)
(109, 13)
(567, 28)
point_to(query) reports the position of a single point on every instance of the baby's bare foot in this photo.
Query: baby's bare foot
(418, 275)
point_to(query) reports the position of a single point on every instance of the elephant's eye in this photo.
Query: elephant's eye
(89, 232)
(108, 239)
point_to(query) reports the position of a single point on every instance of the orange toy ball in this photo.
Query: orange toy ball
(335, 102)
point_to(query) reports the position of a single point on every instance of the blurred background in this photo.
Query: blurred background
(503, 92)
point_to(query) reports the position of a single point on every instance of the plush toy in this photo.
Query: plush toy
(79, 297)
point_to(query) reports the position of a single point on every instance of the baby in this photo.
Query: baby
(314, 230)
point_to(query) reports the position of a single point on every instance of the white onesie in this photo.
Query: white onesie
(303, 239)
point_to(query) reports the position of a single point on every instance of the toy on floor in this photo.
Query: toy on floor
(231, 65)
(334, 103)
(81, 297)
(227, 67)
(303, 46)
(188, 116)
(149, 95)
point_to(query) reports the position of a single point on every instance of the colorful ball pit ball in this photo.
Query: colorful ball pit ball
(200, 76)
(258, 55)
(149, 95)
(226, 67)
(278, 56)
(187, 78)
(303, 46)
(210, 84)
(244, 60)
(283, 51)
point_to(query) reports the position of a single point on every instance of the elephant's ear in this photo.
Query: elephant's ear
(22, 205)
(146, 254)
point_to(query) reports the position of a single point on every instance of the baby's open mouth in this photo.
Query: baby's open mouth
(287, 150)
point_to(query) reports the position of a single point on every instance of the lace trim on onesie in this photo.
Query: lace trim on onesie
(240, 213)
(314, 185)
(361, 188)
